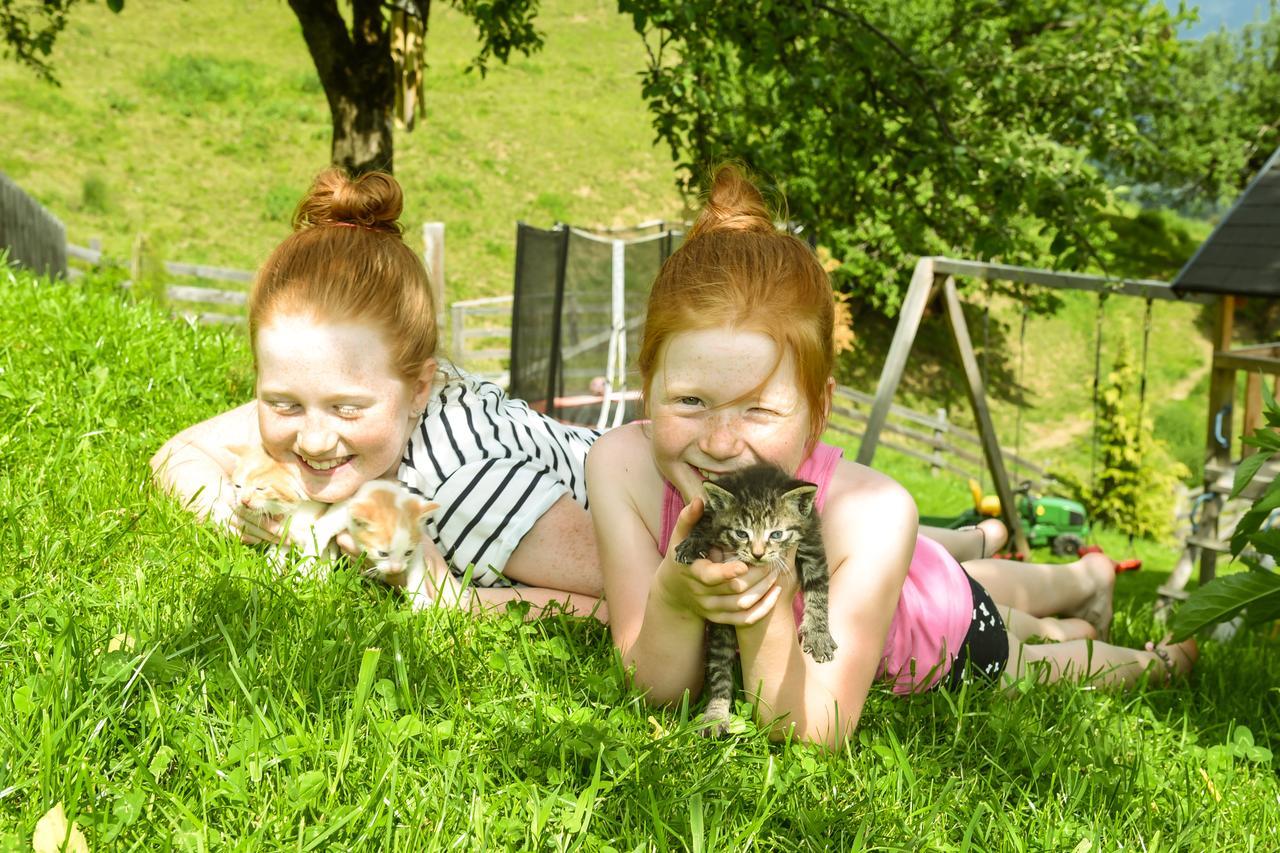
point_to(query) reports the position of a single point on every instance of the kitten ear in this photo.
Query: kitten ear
(717, 498)
(361, 523)
(802, 498)
(424, 509)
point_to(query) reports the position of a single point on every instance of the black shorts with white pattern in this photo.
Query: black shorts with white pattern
(985, 650)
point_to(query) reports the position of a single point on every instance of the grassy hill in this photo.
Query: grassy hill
(201, 124)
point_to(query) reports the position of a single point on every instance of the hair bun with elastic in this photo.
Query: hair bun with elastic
(372, 200)
(733, 204)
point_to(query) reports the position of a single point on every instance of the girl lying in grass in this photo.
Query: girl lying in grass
(349, 390)
(736, 366)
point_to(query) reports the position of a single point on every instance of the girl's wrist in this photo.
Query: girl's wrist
(669, 585)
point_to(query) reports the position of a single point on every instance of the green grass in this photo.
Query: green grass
(254, 713)
(207, 145)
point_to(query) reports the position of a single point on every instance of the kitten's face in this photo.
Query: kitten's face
(756, 530)
(386, 523)
(263, 485)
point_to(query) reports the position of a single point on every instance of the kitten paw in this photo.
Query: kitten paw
(715, 720)
(819, 646)
(686, 553)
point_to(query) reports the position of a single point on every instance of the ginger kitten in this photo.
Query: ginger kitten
(267, 487)
(386, 522)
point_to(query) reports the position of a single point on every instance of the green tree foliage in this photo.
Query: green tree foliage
(904, 127)
(1256, 592)
(29, 30)
(1213, 120)
(1135, 478)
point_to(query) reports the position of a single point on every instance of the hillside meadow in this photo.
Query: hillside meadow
(201, 124)
(203, 143)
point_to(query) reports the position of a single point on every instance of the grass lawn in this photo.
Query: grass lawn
(163, 685)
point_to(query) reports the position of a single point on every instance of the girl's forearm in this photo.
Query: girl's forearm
(543, 601)
(667, 657)
(788, 689)
(194, 478)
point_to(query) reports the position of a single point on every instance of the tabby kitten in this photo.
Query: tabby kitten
(265, 487)
(386, 520)
(758, 515)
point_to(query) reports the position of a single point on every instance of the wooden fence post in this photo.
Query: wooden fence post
(935, 468)
(457, 330)
(433, 258)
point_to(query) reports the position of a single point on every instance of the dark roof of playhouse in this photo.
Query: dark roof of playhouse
(1242, 255)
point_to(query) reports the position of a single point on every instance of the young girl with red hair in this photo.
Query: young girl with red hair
(349, 389)
(736, 366)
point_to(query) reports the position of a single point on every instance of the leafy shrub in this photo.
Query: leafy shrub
(1136, 479)
(1257, 592)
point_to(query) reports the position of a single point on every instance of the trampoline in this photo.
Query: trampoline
(577, 316)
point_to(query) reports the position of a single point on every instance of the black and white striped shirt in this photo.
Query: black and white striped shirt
(495, 467)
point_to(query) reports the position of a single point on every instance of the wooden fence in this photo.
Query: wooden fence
(932, 439)
(34, 237)
(194, 302)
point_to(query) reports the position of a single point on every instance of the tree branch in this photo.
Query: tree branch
(912, 65)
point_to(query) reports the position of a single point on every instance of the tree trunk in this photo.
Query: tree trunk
(357, 74)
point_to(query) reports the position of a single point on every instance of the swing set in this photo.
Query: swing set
(935, 277)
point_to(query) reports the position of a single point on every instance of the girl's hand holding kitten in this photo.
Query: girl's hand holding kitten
(732, 593)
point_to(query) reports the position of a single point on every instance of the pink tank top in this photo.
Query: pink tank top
(935, 606)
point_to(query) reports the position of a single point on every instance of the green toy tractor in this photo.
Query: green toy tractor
(1059, 523)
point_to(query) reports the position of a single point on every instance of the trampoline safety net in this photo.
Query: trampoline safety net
(577, 316)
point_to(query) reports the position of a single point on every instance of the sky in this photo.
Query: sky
(1215, 14)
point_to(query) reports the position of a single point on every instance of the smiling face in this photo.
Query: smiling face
(331, 405)
(718, 405)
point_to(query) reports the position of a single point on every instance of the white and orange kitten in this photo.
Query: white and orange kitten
(386, 522)
(265, 487)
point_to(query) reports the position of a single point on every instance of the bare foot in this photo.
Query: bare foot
(1177, 659)
(1100, 574)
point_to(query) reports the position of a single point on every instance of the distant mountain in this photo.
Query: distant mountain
(1216, 14)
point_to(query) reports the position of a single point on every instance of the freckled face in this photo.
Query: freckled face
(331, 405)
(708, 417)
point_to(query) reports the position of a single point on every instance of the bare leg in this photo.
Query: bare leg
(970, 543)
(1081, 589)
(1101, 663)
(1024, 626)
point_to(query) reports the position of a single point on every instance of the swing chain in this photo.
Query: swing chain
(1097, 374)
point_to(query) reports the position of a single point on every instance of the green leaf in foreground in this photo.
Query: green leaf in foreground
(1222, 598)
(1245, 472)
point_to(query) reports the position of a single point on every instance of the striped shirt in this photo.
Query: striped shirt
(495, 467)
